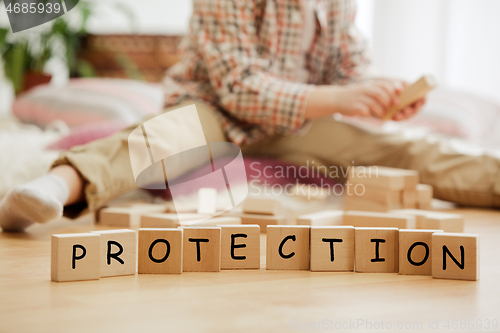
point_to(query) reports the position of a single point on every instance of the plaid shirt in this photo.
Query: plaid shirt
(241, 57)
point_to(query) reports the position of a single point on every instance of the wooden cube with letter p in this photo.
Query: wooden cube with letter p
(415, 251)
(160, 251)
(118, 252)
(287, 247)
(332, 248)
(376, 250)
(75, 257)
(240, 246)
(201, 249)
(455, 256)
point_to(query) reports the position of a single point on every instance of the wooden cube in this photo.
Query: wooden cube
(424, 196)
(287, 247)
(378, 195)
(359, 204)
(332, 248)
(240, 246)
(455, 256)
(202, 251)
(207, 201)
(390, 178)
(75, 257)
(376, 219)
(128, 217)
(262, 206)
(160, 251)
(376, 250)
(415, 251)
(118, 252)
(443, 221)
(409, 199)
(324, 217)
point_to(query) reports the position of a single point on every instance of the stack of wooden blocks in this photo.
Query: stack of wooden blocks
(382, 189)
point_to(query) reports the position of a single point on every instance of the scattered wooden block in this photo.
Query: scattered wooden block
(118, 252)
(332, 248)
(169, 220)
(207, 201)
(415, 251)
(411, 94)
(391, 199)
(384, 177)
(443, 221)
(202, 251)
(262, 206)
(127, 217)
(262, 220)
(287, 247)
(160, 251)
(358, 204)
(324, 217)
(376, 250)
(240, 246)
(455, 256)
(309, 192)
(409, 198)
(376, 219)
(424, 196)
(75, 257)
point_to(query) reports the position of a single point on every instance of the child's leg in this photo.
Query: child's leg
(94, 173)
(456, 176)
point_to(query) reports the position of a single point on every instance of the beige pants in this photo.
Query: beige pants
(464, 179)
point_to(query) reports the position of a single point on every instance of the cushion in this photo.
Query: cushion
(85, 101)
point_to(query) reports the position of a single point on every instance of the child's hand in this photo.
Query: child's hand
(409, 111)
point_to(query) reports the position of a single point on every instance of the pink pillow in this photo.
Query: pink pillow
(86, 101)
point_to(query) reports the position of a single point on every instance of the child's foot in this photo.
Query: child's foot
(40, 200)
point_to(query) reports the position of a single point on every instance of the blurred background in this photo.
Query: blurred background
(456, 40)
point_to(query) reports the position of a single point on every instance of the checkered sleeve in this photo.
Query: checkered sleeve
(239, 74)
(353, 59)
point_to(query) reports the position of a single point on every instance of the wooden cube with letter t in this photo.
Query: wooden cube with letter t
(118, 252)
(201, 249)
(376, 250)
(332, 248)
(287, 247)
(240, 246)
(75, 257)
(455, 256)
(160, 251)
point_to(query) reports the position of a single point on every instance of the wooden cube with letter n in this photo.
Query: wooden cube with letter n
(201, 249)
(160, 251)
(75, 257)
(376, 250)
(240, 246)
(287, 247)
(332, 248)
(118, 252)
(455, 256)
(415, 251)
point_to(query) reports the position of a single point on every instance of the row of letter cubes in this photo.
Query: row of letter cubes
(210, 249)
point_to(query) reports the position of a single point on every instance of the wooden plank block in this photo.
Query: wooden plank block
(415, 251)
(309, 192)
(160, 251)
(332, 248)
(202, 251)
(376, 250)
(128, 217)
(75, 257)
(409, 198)
(424, 196)
(375, 219)
(287, 247)
(384, 177)
(376, 194)
(262, 206)
(118, 252)
(324, 217)
(240, 246)
(411, 94)
(443, 221)
(207, 201)
(262, 220)
(168, 220)
(365, 205)
(455, 256)
(214, 221)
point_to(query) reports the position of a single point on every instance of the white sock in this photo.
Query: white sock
(40, 200)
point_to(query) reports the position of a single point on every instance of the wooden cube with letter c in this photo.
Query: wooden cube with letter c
(240, 246)
(287, 247)
(160, 251)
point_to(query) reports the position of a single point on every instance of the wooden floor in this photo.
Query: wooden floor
(241, 301)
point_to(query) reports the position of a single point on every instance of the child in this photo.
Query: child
(268, 76)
